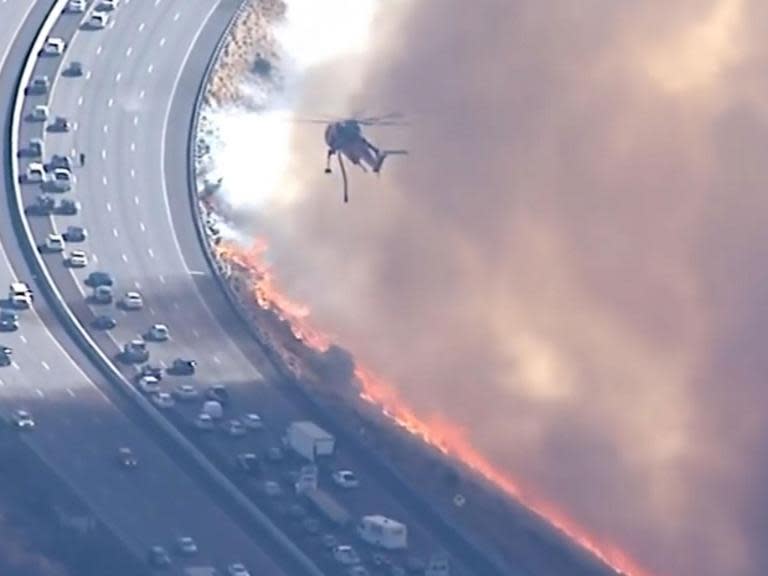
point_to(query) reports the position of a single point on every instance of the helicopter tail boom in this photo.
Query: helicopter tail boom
(381, 156)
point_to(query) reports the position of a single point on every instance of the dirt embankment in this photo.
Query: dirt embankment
(249, 52)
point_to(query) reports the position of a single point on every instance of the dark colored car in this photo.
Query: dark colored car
(127, 458)
(68, 207)
(159, 557)
(104, 322)
(151, 370)
(95, 279)
(183, 367)
(248, 463)
(9, 321)
(219, 393)
(5, 356)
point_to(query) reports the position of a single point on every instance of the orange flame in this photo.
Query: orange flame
(446, 437)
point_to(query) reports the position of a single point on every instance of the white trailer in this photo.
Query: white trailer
(309, 440)
(383, 532)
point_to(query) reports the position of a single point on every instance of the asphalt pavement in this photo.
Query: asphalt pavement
(79, 428)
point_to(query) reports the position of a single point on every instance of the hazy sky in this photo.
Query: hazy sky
(572, 261)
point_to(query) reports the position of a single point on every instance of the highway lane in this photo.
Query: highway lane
(79, 428)
(134, 234)
(133, 66)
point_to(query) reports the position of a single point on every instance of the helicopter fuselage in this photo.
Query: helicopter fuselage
(346, 138)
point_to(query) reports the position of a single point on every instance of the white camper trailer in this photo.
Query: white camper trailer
(309, 440)
(383, 532)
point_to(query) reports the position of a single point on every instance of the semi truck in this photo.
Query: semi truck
(307, 439)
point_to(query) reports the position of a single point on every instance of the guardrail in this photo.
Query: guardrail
(469, 549)
(84, 340)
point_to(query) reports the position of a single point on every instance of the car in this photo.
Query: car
(35, 173)
(237, 569)
(149, 384)
(135, 350)
(5, 355)
(61, 161)
(95, 279)
(36, 148)
(54, 243)
(60, 124)
(39, 85)
(62, 180)
(163, 400)
(77, 259)
(22, 419)
(102, 295)
(54, 47)
(345, 479)
(358, 571)
(75, 234)
(272, 488)
(253, 421)
(186, 545)
(104, 322)
(158, 333)
(275, 454)
(20, 294)
(44, 205)
(248, 462)
(186, 392)
(345, 555)
(235, 428)
(154, 370)
(68, 207)
(127, 458)
(109, 4)
(75, 6)
(132, 301)
(204, 421)
(159, 557)
(75, 68)
(218, 392)
(98, 20)
(180, 366)
(39, 113)
(9, 321)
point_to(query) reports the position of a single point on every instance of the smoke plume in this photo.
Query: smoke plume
(571, 262)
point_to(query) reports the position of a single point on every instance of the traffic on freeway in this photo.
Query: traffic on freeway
(126, 369)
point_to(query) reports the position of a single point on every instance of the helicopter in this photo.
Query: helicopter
(345, 139)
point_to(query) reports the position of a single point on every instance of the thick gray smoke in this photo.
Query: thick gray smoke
(572, 261)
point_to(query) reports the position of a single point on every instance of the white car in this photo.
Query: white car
(235, 428)
(253, 421)
(186, 392)
(54, 243)
(204, 421)
(149, 384)
(345, 479)
(159, 333)
(163, 400)
(20, 295)
(54, 47)
(40, 113)
(237, 569)
(23, 419)
(62, 180)
(346, 555)
(109, 4)
(35, 173)
(98, 20)
(78, 259)
(133, 301)
(76, 6)
(186, 545)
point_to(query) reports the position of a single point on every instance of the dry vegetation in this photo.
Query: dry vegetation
(249, 51)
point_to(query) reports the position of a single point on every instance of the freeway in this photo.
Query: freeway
(120, 110)
(79, 428)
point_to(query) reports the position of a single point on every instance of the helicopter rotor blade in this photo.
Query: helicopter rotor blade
(344, 178)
